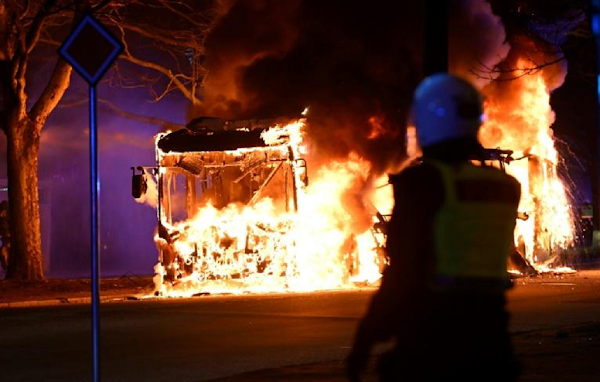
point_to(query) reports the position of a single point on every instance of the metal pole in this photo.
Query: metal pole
(95, 190)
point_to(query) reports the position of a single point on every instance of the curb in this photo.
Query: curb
(66, 301)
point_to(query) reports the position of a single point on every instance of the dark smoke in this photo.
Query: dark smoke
(355, 64)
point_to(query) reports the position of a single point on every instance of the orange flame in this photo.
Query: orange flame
(522, 123)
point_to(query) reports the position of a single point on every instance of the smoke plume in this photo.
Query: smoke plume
(351, 63)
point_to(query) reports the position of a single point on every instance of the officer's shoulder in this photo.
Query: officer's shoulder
(415, 174)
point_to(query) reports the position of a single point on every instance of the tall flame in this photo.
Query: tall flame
(521, 122)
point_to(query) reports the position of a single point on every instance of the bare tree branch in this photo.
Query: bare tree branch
(184, 46)
(56, 87)
(164, 124)
(37, 24)
(19, 61)
(142, 118)
(54, 90)
(183, 15)
(159, 68)
(180, 40)
(499, 73)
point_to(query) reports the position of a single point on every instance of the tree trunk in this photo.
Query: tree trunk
(23, 145)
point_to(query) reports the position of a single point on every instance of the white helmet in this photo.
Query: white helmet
(446, 107)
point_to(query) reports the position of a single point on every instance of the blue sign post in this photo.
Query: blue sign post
(90, 49)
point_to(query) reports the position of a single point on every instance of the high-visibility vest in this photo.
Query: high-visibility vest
(474, 228)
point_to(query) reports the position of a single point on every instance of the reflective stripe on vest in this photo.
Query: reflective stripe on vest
(474, 228)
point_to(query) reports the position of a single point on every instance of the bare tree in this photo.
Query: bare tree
(163, 40)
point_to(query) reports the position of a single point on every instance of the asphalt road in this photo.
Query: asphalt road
(190, 340)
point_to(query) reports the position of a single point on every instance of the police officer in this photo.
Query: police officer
(442, 298)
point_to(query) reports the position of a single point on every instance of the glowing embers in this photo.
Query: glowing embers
(246, 220)
(519, 118)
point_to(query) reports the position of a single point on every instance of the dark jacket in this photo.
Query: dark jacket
(456, 331)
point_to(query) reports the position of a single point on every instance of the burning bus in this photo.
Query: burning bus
(234, 212)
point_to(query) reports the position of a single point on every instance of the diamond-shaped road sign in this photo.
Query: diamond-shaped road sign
(90, 49)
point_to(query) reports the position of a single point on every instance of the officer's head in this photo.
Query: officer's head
(446, 108)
